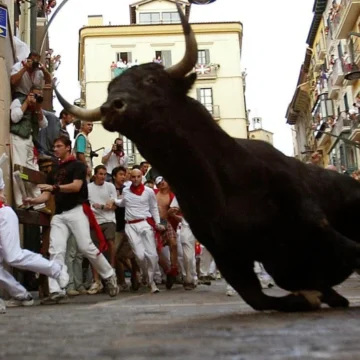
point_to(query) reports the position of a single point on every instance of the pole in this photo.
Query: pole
(350, 142)
(33, 24)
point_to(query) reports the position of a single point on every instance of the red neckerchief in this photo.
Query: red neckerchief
(95, 226)
(68, 159)
(2, 205)
(137, 190)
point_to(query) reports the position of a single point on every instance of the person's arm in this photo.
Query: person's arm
(17, 110)
(16, 75)
(47, 75)
(106, 156)
(154, 209)
(43, 122)
(44, 197)
(110, 204)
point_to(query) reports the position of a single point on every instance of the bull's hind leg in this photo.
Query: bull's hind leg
(241, 276)
(334, 299)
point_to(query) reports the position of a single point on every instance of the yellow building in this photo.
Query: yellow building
(155, 33)
(331, 95)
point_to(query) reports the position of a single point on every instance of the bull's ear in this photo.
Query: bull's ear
(187, 82)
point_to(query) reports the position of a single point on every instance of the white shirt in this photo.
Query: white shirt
(175, 204)
(100, 194)
(2, 184)
(17, 114)
(139, 207)
(27, 80)
(114, 161)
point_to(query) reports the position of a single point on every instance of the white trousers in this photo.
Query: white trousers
(75, 222)
(142, 241)
(15, 256)
(188, 241)
(22, 153)
(207, 264)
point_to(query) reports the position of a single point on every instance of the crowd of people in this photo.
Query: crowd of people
(114, 228)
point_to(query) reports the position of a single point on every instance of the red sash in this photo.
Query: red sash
(95, 226)
(157, 233)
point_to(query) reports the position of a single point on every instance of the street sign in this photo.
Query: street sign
(3, 22)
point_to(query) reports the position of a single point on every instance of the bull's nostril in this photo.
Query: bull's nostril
(118, 104)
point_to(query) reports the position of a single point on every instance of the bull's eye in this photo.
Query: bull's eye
(118, 104)
(150, 80)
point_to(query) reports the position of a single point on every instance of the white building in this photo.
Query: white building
(154, 32)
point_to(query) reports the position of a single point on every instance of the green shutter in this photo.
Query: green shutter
(207, 56)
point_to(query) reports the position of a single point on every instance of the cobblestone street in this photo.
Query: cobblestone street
(178, 324)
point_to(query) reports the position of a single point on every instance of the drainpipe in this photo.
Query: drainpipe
(33, 24)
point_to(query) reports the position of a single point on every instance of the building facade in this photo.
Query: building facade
(258, 133)
(154, 34)
(324, 109)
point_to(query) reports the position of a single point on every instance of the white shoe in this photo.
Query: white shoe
(95, 288)
(16, 302)
(153, 288)
(112, 286)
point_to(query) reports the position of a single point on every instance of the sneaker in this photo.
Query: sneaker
(203, 280)
(95, 288)
(82, 291)
(54, 298)
(189, 286)
(16, 302)
(2, 307)
(72, 292)
(153, 288)
(111, 284)
(171, 277)
(230, 292)
(123, 287)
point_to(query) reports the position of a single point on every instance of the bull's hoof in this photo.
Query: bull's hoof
(335, 300)
(301, 301)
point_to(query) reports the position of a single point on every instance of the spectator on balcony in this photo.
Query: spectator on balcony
(25, 74)
(113, 65)
(120, 64)
(353, 114)
(316, 158)
(346, 61)
(158, 60)
(114, 157)
(26, 118)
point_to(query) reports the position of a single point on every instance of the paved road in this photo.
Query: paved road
(178, 324)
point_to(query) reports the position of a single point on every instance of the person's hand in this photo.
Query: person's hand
(42, 67)
(28, 201)
(31, 99)
(96, 206)
(45, 187)
(160, 227)
(173, 211)
(3, 198)
(113, 148)
(28, 64)
(109, 204)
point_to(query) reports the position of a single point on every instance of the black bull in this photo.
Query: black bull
(244, 200)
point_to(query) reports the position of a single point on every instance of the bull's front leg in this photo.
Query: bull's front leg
(242, 278)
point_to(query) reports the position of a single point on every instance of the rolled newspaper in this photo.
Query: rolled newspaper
(20, 182)
(3, 158)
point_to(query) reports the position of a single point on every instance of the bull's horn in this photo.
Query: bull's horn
(191, 54)
(78, 112)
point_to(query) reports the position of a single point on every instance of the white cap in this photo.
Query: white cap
(158, 180)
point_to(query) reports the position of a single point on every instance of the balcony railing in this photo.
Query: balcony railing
(337, 75)
(343, 123)
(206, 71)
(345, 18)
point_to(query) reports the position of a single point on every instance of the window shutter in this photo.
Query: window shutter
(166, 58)
(207, 56)
(129, 57)
(198, 95)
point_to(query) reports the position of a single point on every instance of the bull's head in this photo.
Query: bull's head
(133, 94)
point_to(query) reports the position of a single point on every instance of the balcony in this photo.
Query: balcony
(346, 18)
(330, 41)
(206, 72)
(355, 129)
(343, 123)
(214, 110)
(338, 73)
(320, 49)
(356, 42)
(333, 90)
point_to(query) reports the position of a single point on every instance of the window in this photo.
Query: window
(124, 56)
(203, 57)
(205, 96)
(129, 147)
(164, 56)
(170, 17)
(149, 18)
